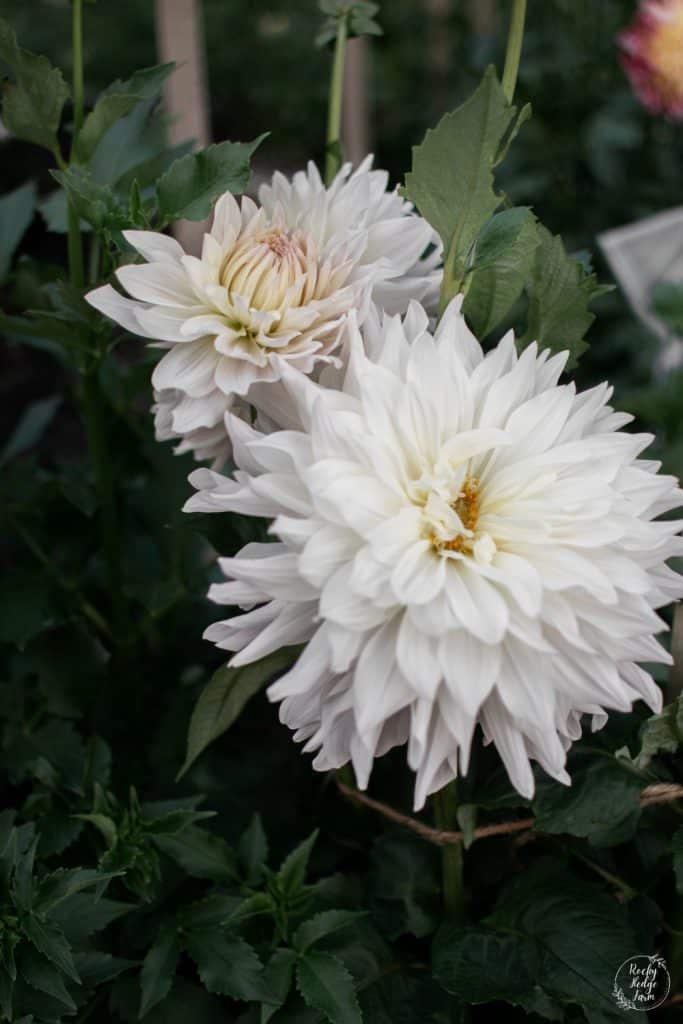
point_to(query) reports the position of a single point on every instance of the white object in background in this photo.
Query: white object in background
(643, 255)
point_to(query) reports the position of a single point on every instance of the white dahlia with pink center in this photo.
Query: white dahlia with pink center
(272, 289)
(460, 541)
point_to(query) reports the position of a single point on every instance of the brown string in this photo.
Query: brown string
(659, 793)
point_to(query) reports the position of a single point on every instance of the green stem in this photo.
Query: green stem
(445, 814)
(93, 405)
(74, 241)
(514, 48)
(334, 110)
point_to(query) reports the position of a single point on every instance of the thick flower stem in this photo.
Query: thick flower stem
(74, 242)
(334, 110)
(514, 48)
(445, 814)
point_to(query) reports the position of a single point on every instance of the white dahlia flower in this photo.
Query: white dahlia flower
(273, 287)
(460, 540)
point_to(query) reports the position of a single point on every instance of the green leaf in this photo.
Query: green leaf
(32, 104)
(61, 884)
(25, 606)
(105, 825)
(30, 428)
(23, 883)
(6, 990)
(215, 909)
(40, 974)
(660, 734)
(50, 941)
(560, 291)
(159, 967)
(403, 885)
(292, 873)
(451, 181)
(325, 923)
(223, 698)
(115, 102)
(326, 985)
(252, 850)
(82, 914)
(677, 851)
(492, 290)
(581, 934)
(601, 805)
(201, 854)
(17, 209)
(191, 185)
(97, 968)
(480, 965)
(498, 235)
(95, 203)
(667, 303)
(278, 975)
(227, 965)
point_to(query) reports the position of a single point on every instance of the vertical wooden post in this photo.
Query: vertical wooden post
(180, 38)
(355, 108)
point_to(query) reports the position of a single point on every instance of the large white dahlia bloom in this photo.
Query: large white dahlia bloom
(460, 540)
(272, 288)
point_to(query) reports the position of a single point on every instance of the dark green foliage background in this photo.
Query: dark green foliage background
(85, 716)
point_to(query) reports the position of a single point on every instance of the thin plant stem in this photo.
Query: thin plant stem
(445, 813)
(334, 109)
(514, 48)
(74, 241)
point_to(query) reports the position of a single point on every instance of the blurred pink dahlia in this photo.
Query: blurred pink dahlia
(652, 55)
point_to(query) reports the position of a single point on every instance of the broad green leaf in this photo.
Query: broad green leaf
(223, 698)
(661, 734)
(97, 968)
(667, 302)
(227, 965)
(61, 884)
(403, 885)
(252, 850)
(560, 291)
(292, 872)
(201, 854)
(492, 290)
(581, 933)
(191, 185)
(602, 804)
(23, 883)
(17, 209)
(50, 941)
(323, 924)
(30, 428)
(480, 964)
(326, 985)
(32, 104)
(159, 967)
(95, 203)
(115, 102)
(215, 909)
(451, 181)
(498, 235)
(82, 914)
(40, 974)
(677, 851)
(278, 975)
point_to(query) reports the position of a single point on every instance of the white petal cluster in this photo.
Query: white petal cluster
(273, 288)
(460, 541)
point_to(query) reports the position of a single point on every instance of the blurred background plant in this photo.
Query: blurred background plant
(99, 683)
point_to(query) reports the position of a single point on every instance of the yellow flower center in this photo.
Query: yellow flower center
(466, 507)
(265, 269)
